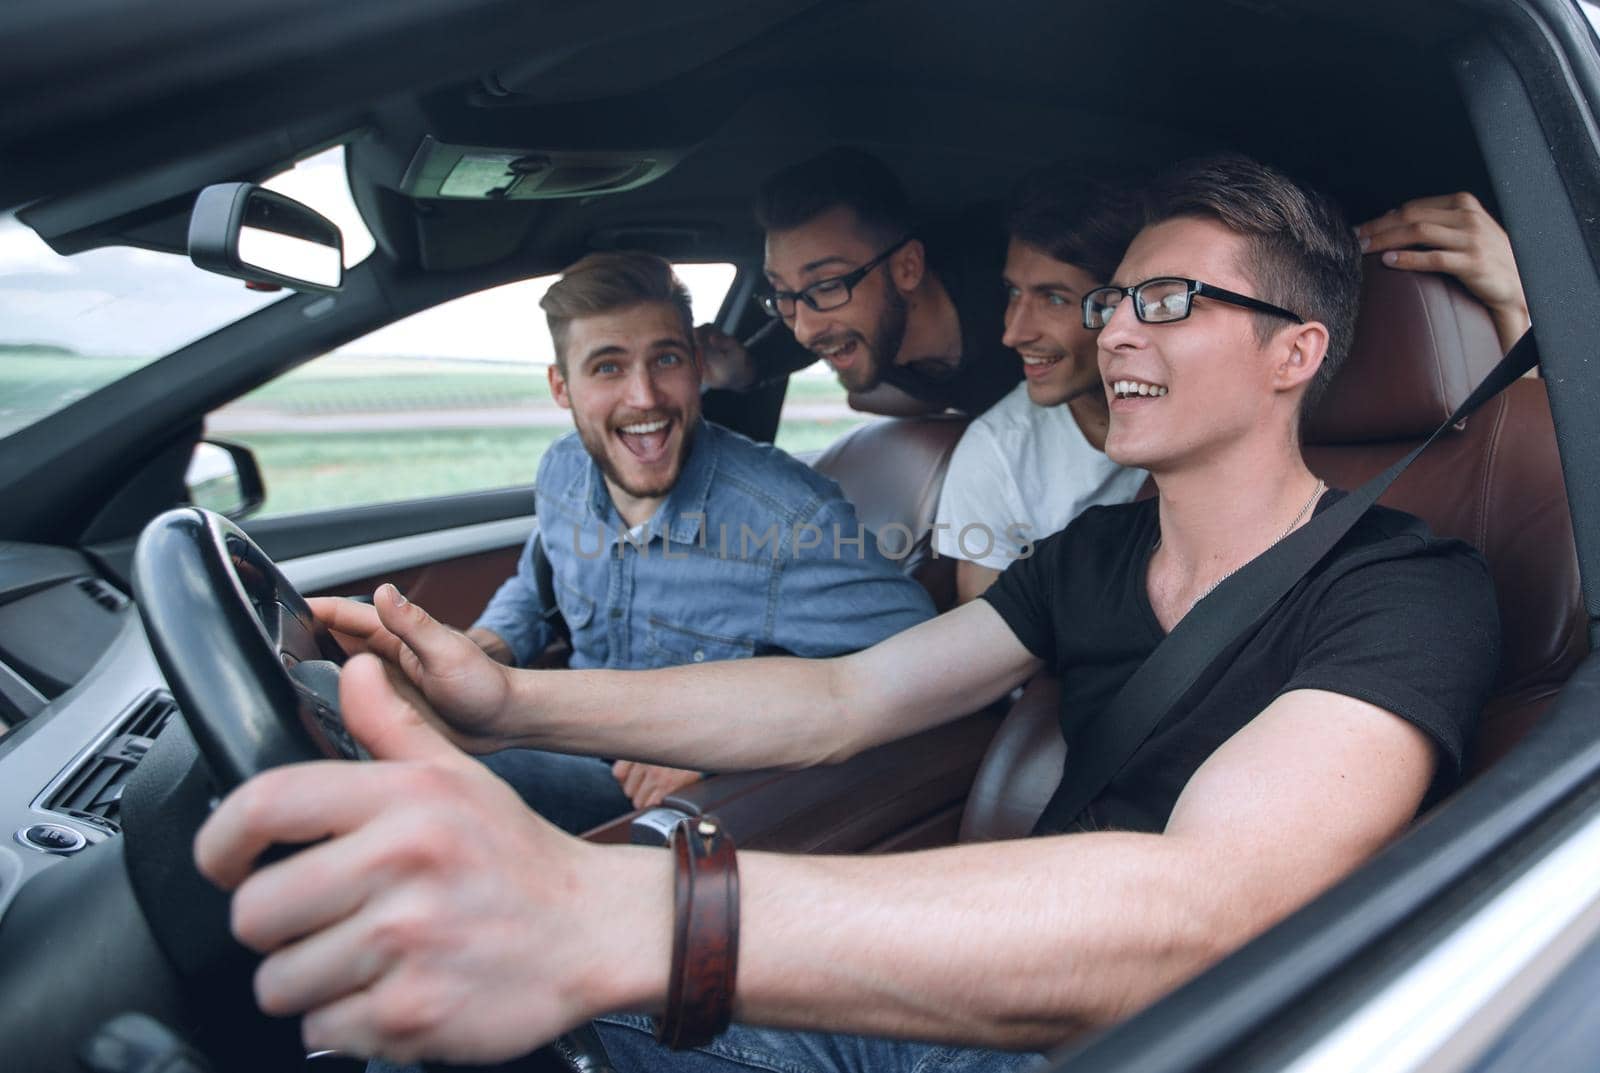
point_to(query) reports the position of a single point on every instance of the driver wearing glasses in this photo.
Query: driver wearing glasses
(1165, 299)
(909, 323)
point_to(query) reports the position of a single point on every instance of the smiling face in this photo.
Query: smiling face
(862, 337)
(1189, 391)
(633, 385)
(1044, 323)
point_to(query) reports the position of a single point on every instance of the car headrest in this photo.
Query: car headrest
(1422, 343)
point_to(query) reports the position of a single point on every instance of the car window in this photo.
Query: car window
(450, 400)
(815, 411)
(70, 325)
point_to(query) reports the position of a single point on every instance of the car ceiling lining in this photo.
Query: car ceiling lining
(968, 99)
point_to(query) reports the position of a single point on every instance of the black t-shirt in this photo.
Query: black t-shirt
(968, 255)
(1391, 616)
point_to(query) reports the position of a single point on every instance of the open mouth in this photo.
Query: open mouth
(1035, 365)
(840, 355)
(646, 440)
(1135, 389)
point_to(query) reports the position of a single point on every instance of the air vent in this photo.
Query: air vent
(93, 790)
(103, 593)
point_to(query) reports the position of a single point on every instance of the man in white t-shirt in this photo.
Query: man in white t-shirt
(1036, 459)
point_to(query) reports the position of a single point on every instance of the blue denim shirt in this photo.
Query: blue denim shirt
(752, 553)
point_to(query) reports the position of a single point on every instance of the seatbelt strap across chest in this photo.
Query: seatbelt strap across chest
(544, 577)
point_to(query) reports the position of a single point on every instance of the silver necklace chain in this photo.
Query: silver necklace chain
(1315, 493)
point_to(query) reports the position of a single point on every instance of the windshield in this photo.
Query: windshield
(70, 325)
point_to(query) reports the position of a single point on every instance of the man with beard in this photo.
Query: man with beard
(669, 540)
(907, 317)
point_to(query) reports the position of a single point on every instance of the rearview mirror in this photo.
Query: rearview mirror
(254, 234)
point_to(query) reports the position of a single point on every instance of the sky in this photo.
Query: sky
(126, 302)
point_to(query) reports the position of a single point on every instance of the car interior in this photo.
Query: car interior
(490, 142)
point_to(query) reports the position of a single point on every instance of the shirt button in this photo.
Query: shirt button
(699, 656)
(616, 612)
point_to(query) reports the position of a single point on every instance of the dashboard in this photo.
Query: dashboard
(82, 698)
(81, 701)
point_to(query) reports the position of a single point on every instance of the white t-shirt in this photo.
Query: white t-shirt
(1020, 473)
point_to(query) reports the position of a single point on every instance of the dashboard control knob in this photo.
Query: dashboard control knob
(52, 838)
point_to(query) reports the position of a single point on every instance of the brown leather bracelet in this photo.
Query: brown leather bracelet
(705, 940)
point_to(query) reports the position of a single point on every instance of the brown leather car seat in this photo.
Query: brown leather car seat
(1422, 343)
(892, 471)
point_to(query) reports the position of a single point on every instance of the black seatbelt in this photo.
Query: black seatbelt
(1227, 616)
(545, 577)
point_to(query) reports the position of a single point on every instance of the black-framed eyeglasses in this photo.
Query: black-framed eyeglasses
(825, 294)
(1168, 298)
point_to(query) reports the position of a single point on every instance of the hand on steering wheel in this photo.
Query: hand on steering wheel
(467, 688)
(433, 916)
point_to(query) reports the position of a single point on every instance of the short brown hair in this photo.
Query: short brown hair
(1299, 252)
(842, 176)
(1080, 219)
(606, 282)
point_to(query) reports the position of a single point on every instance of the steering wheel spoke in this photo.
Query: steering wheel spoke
(254, 674)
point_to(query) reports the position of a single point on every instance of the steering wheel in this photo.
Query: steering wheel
(254, 674)
(256, 678)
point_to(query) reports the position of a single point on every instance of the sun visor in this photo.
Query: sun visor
(502, 173)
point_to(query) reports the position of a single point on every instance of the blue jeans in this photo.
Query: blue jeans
(631, 1043)
(630, 1040)
(573, 792)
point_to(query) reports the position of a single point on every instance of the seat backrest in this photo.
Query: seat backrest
(892, 471)
(1021, 768)
(1421, 345)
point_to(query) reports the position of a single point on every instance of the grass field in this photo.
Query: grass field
(367, 385)
(34, 384)
(339, 469)
(364, 385)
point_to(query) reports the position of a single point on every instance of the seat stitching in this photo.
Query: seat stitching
(1490, 463)
(1433, 337)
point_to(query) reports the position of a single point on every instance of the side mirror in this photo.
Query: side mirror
(223, 477)
(254, 234)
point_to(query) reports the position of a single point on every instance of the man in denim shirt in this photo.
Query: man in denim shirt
(670, 540)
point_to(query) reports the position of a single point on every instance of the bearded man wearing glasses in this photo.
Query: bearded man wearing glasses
(909, 319)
